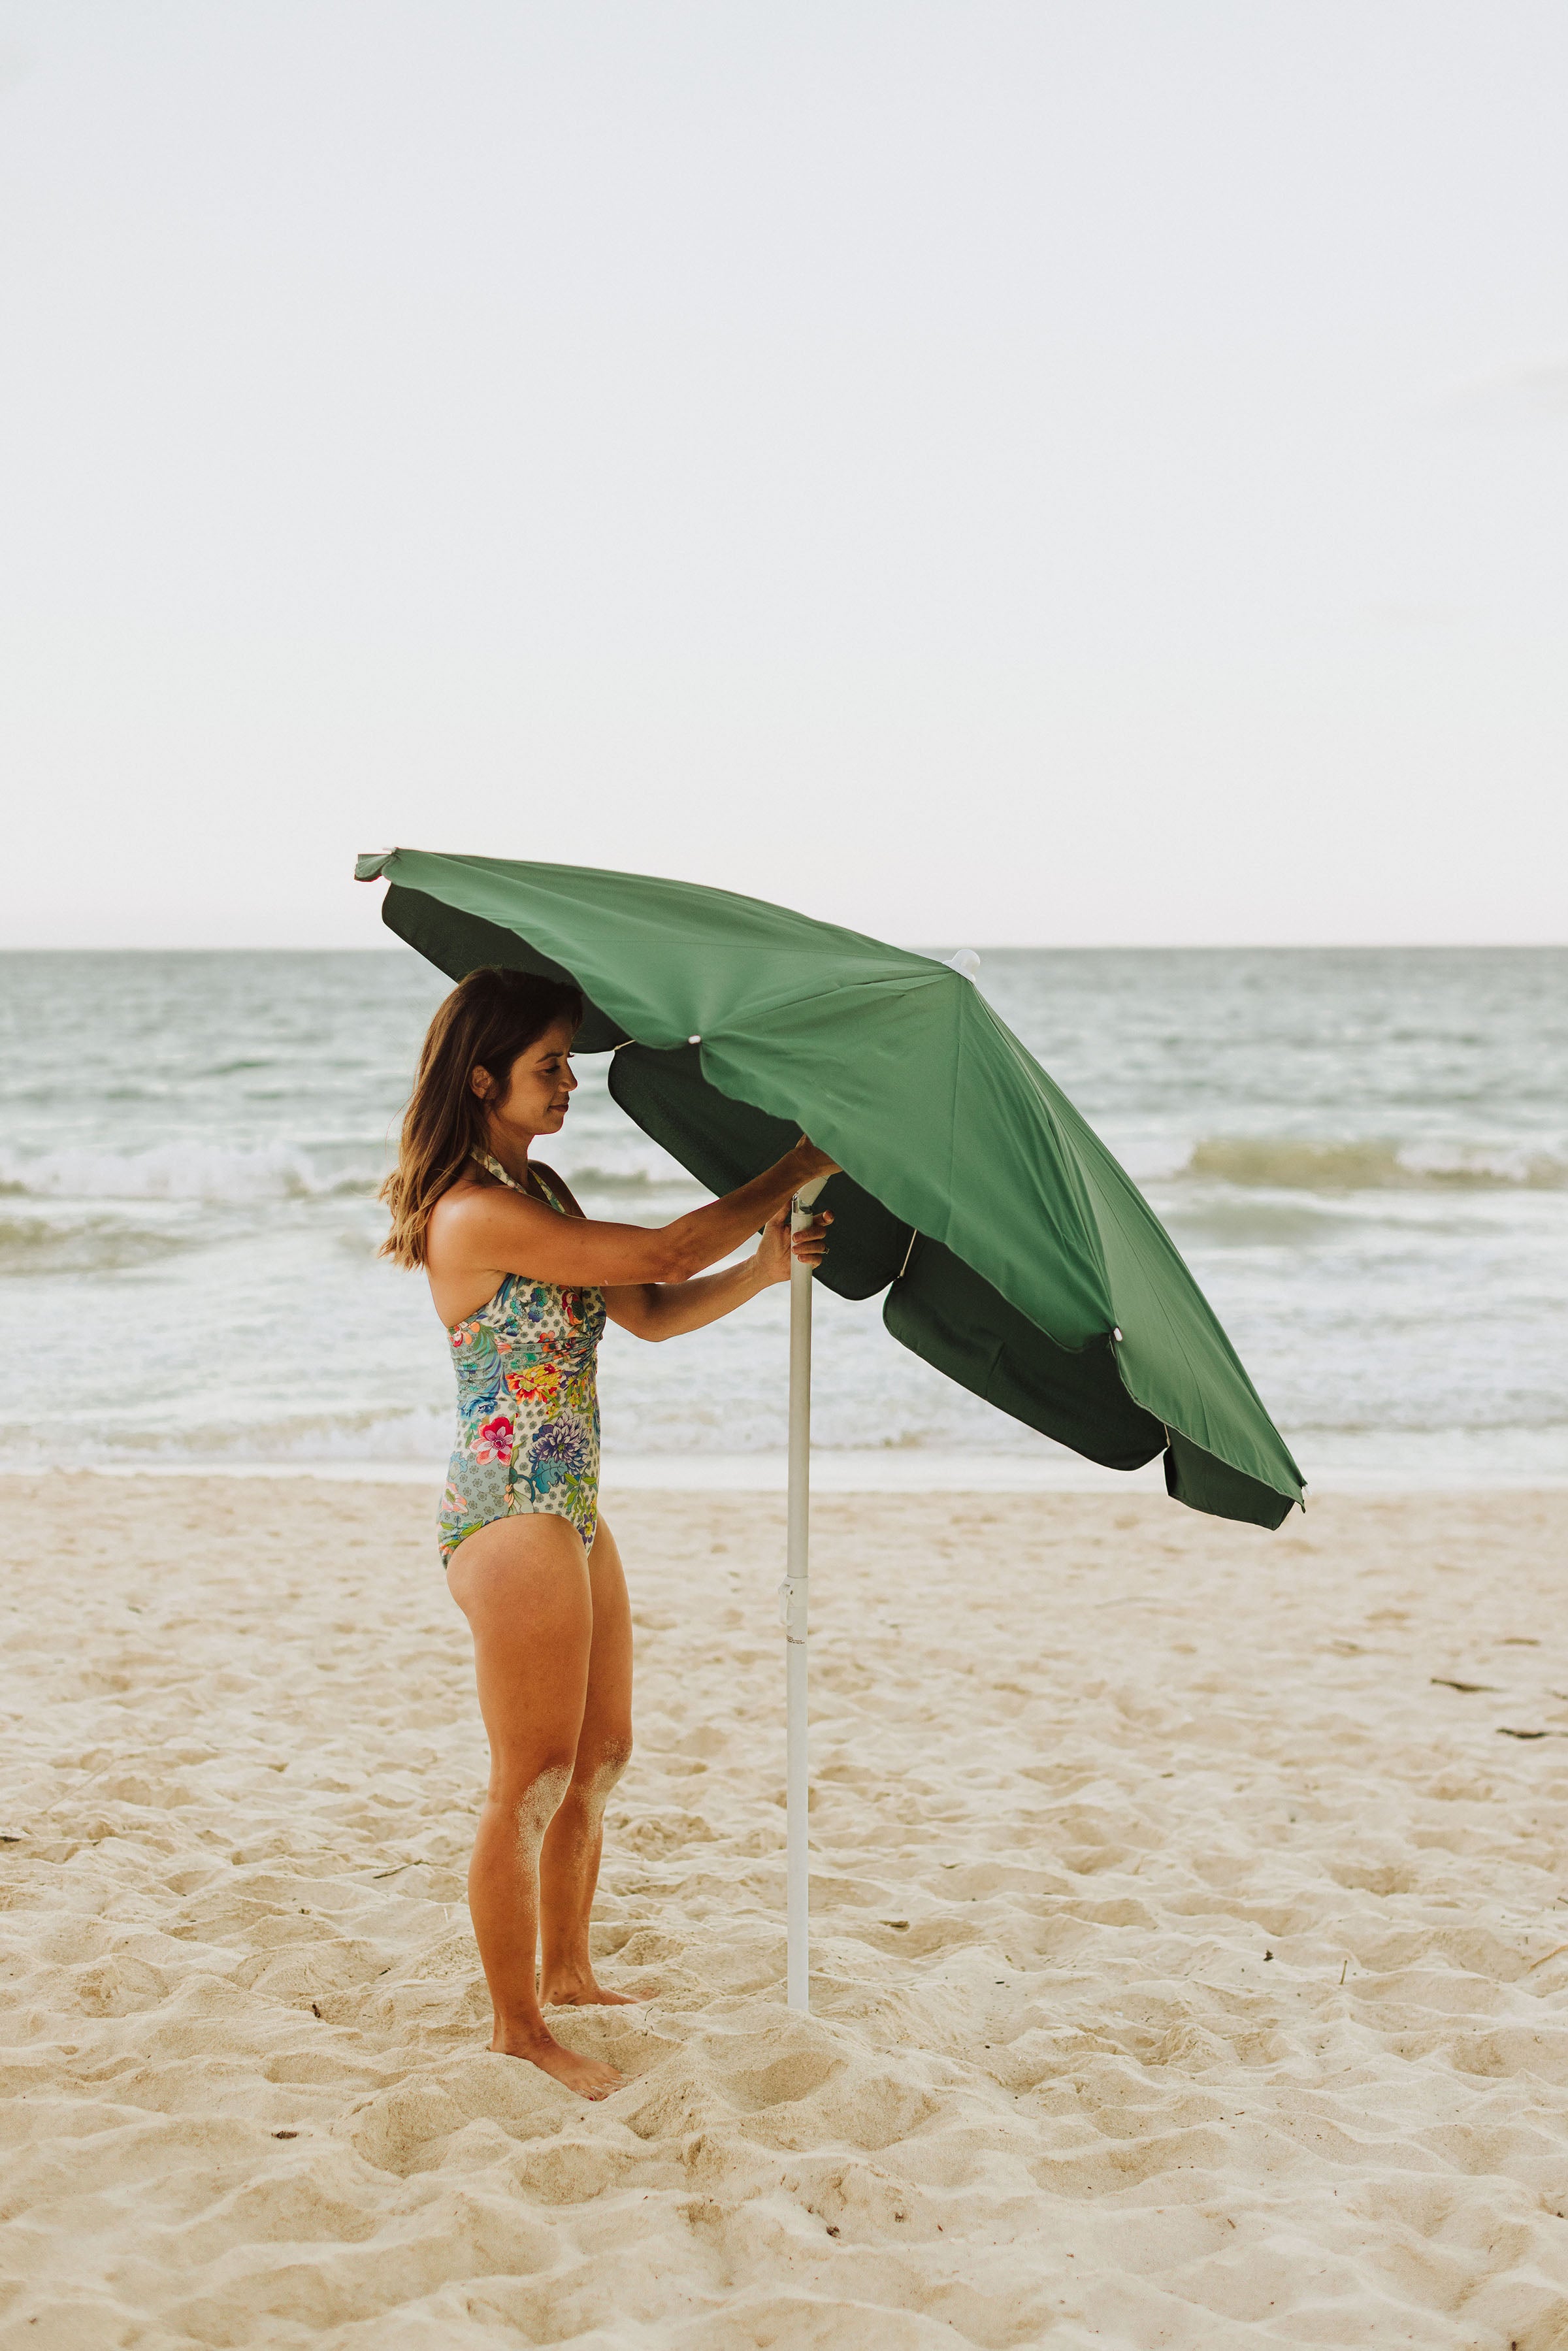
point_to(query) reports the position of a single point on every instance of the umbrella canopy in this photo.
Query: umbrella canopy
(1017, 1257)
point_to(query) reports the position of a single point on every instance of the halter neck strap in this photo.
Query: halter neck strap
(545, 1197)
(492, 1166)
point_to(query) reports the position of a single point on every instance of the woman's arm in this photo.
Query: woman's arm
(664, 1309)
(487, 1229)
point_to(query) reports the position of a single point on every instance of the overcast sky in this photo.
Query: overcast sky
(1091, 472)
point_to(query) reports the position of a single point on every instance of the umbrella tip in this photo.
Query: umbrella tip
(966, 962)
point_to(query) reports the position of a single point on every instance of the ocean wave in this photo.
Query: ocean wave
(36, 1245)
(636, 1181)
(1288, 1164)
(276, 1171)
(409, 1435)
(1242, 1220)
(174, 1171)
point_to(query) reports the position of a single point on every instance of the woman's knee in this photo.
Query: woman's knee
(531, 1785)
(600, 1761)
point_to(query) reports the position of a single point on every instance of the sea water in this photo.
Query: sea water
(1361, 1155)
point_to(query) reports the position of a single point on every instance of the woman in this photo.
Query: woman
(523, 1282)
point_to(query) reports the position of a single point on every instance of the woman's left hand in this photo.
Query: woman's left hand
(774, 1249)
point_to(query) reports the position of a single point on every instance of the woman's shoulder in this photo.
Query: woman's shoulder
(471, 1204)
(464, 1193)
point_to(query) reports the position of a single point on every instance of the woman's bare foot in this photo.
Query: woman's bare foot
(582, 1991)
(586, 2076)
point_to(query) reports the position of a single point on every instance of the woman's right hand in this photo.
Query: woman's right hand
(818, 1166)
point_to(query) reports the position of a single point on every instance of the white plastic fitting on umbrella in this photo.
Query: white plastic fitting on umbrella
(966, 962)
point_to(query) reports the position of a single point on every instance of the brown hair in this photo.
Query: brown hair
(487, 1021)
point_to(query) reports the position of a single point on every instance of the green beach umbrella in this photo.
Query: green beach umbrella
(1014, 1254)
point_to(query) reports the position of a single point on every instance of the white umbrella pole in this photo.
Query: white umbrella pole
(792, 1597)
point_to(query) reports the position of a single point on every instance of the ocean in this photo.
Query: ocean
(1361, 1153)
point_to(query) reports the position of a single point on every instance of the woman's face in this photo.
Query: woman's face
(539, 1084)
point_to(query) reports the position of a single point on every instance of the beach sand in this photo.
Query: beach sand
(1190, 1961)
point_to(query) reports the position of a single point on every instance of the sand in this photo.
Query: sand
(1190, 1963)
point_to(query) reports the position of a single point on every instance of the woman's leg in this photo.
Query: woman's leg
(569, 1864)
(523, 1585)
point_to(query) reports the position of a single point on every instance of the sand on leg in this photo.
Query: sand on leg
(569, 1863)
(523, 1584)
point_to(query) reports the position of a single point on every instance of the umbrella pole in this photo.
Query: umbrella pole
(793, 1595)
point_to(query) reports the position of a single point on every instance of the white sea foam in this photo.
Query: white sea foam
(186, 1170)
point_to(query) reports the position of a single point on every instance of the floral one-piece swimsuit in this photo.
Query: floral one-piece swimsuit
(527, 1401)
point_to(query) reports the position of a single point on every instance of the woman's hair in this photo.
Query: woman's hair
(487, 1021)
